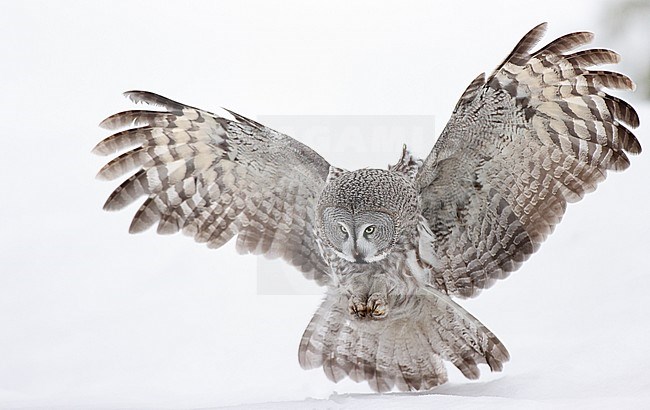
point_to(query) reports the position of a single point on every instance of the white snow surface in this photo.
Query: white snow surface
(91, 317)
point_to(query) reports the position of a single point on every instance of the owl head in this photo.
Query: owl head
(362, 214)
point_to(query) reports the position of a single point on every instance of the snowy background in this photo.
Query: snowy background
(91, 317)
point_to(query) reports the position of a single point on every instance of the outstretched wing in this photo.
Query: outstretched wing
(215, 178)
(540, 132)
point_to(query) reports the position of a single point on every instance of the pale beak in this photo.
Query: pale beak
(358, 258)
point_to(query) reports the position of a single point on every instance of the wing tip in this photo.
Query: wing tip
(148, 97)
(541, 26)
(136, 96)
(99, 149)
(537, 32)
(632, 84)
(107, 123)
(101, 176)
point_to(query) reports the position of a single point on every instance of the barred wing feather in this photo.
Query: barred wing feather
(214, 178)
(540, 132)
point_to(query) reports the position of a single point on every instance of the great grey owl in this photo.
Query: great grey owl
(392, 246)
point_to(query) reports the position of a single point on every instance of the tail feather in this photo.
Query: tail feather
(385, 366)
(403, 351)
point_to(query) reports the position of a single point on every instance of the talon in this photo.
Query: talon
(377, 306)
(357, 307)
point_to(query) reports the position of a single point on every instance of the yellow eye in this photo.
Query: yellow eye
(369, 230)
(344, 229)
